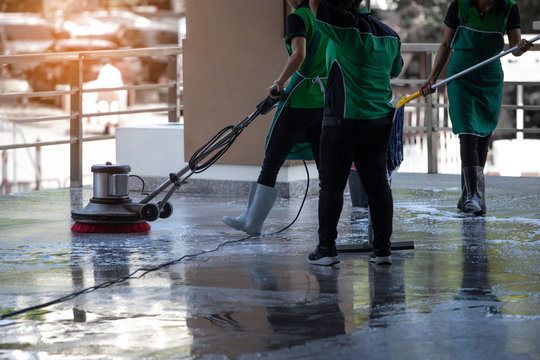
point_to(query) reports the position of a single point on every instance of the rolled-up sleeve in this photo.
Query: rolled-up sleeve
(452, 15)
(295, 28)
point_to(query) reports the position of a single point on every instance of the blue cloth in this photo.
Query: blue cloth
(395, 144)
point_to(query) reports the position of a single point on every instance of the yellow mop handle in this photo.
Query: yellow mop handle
(406, 99)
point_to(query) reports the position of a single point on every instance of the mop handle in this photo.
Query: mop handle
(417, 94)
(485, 62)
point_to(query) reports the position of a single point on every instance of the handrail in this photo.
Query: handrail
(17, 95)
(98, 54)
(77, 61)
(430, 105)
(428, 108)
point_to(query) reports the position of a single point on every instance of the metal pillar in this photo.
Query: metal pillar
(38, 165)
(5, 180)
(75, 123)
(432, 142)
(520, 118)
(172, 78)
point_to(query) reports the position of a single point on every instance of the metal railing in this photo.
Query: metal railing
(428, 108)
(77, 61)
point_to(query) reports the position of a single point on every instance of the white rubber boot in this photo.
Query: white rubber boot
(260, 202)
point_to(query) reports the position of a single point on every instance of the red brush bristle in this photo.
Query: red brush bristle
(110, 228)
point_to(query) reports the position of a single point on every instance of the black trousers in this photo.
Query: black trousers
(368, 149)
(293, 126)
(473, 150)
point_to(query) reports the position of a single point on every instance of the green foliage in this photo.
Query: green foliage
(530, 11)
(423, 20)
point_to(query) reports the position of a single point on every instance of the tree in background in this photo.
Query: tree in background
(48, 6)
(423, 20)
(35, 6)
(530, 11)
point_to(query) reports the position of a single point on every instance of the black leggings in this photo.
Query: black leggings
(473, 150)
(292, 126)
(368, 149)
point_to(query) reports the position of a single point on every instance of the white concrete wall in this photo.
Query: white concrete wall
(516, 157)
(151, 150)
(157, 150)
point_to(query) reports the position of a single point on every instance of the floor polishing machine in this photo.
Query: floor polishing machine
(112, 210)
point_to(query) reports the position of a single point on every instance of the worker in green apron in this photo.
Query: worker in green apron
(296, 129)
(474, 32)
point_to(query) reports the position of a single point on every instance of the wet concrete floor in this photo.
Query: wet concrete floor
(469, 290)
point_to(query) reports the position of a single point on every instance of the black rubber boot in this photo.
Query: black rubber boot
(463, 196)
(482, 189)
(474, 200)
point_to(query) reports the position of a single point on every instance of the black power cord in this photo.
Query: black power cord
(222, 141)
(143, 271)
(142, 183)
(301, 205)
(227, 136)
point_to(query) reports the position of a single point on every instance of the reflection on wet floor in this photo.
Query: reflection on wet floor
(469, 289)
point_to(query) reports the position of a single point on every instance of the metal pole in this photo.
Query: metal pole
(428, 118)
(14, 157)
(5, 181)
(172, 72)
(75, 126)
(520, 123)
(479, 65)
(38, 166)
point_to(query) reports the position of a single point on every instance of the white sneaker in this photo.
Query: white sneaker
(381, 260)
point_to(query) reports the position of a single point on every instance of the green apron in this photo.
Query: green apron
(301, 151)
(302, 83)
(475, 98)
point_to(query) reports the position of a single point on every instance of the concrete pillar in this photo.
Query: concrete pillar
(232, 53)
